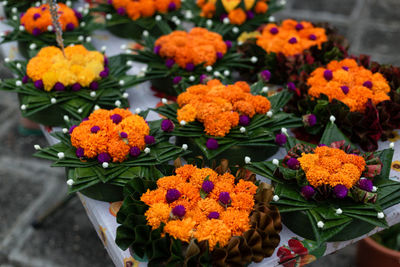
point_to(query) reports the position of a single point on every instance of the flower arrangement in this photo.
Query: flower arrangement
(340, 192)
(11, 7)
(204, 214)
(180, 59)
(54, 87)
(133, 19)
(227, 121)
(34, 29)
(106, 150)
(231, 18)
(362, 98)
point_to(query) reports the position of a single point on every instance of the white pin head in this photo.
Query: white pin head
(118, 103)
(53, 100)
(275, 198)
(320, 224)
(70, 182)
(275, 162)
(339, 211)
(247, 160)
(269, 114)
(185, 147)
(380, 215)
(147, 150)
(60, 155)
(253, 59)
(242, 129)
(332, 118)
(105, 165)
(37, 147)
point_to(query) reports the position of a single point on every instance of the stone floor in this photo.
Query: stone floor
(28, 186)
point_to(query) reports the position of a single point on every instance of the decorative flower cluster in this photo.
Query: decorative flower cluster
(349, 83)
(37, 20)
(201, 204)
(49, 69)
(111, 135)
(220, 107)
(291, 37)
(234, 13)
(188, 49)
(136, 9)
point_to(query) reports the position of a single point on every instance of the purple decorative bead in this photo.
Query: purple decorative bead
(274, 30)
(121, 11)
(36, 31)
(310, 120)
(228, 44)
(220, 55)
(266, 75)
(70, 27)
(213, 215)
(25, 79)
(244, 120)
(345, 68)
(104, 73)
(250, 14)
(95, 129)
(149, 139)
(94, 86)
(202, 78)
(179, 211)
(123, 135)
(340, 191)
(76, 87)
(167, 125)
(293, 164)
(172, 6)
(291, 86)
(59, 86)
(292, 40)
(328, 75)
(172, 195)
(36, 16)
(169, 63)
(116, 118)
(103, 157)
(312, 37)
(80, 152)
(134, 151)
(72, 128)
(38, 84)
(224, 198)
(78, 14)
(281, 139)
(157, 49)
(307, 191)
(190, 66)
(212, 144)
(299, 27)
(368, 84)
(207, 186)
(345, 89)
(365, 184)
(177, 79)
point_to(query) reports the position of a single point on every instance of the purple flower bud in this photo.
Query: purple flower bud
(177, 79)
(104, 73)
(321, 145)
(38, 84)
(281, 139)
(328, 75)
(25, 79)
(249, 14)
(78, 14)
(292, 40)
(212, 144)
(72, 128)
(179, 211)
(149, 139)
(244, 120)
(312, 37)
(116, 118)
(21, 15)
(202, 78)
(368, 84)
(167, 125)
(307, 191)
(134, 151)
(59, 86)
(105, 61)
(123, 135)
(293, 164)
(213, 215)
(172, 6)
(172, 195)
(365, 184)
(94, 86)
(44, 8)
(345, 68)
(121, 11)
(190, 66)
(340, 191)
(95, 129)
(224, 15)
(169, 63)
(291, 86)
(85, 119)
(207, 186)
(157, 49)
(224, 198)
(228, 44)
(103, 157)
(76, 87)
(109, 2)
(36, 31)
(299, 27)
(70, 27)
(266, 75)
(36, 16)
(345, 89)
(80, 152)
(274, 30)
(310, 120)
(220, 55)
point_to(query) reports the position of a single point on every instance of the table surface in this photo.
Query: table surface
(100, 213)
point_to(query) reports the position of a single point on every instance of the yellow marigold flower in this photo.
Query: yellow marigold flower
(49, 80)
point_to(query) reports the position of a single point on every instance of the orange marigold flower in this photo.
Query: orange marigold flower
(236, 220)
(237, 16)
(181, 229)
(186, 171)
(187, 113)
(157, 213)
(170, 182)
(145, 8)
(208, 10)
(215, 231)
(261, 7)
(154, 196)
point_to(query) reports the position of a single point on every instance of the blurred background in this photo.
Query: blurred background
(28, 186)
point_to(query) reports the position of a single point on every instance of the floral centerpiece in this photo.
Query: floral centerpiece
(290, 50)
(53, 84)
(133, 19)
(12, 7)
(199, 217)
(331, 192)
(364, 100)
(34, 28)
(228, 121)
(109, 148)
(231, 18)
(180, 59)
